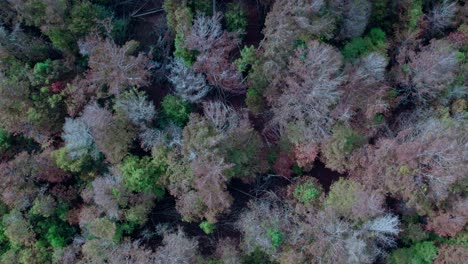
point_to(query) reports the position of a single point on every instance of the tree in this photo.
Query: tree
(108, 194)
(113, 65)
(78, 139)
(450, 222)
(365, 94)
(425, 158)
(134, 106)
(21, 45)
(349, 199)
(302, 110)
(430, 71)
(113, 136)
(141, 175)
(102, 228)
(337, 150)
(355, 17)
(177, 248)
(222, 116)
(187, 84)
(175, 109)
(451, 254)
(442, 16)
(18, 229)
(424, 253)
(215, 45)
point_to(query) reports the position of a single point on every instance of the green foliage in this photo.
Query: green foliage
(124, 229)
(137, 214)
(207, 227)
(83, 16)
(102, 228)
(379, 12)
(5, 139)
(415, 13)
(141, 175)
(254, 100)
(236, 17)
(62, 39)
(276, 237)
(254, 97)
(83, 164)
(179, 20)
(420, 253)
(257, 257)
(379, 119)
(347, 139)
(342, 195)
(119, 30)
(306, 192)
(203, 6)
(54, 230)
(181, 50)
(247, 58)
(375, 41)
(244, 151)
(175, 109)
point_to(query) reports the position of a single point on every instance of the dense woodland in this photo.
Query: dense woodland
(233, 132)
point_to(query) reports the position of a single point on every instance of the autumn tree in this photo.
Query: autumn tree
(215, 45)
(114, 66)
(302, 109)
(112, 135)
(429, 71)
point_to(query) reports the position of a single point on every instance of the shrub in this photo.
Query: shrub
(236, 18)
(175, 109)
(207, 227)
(420, 253)
(141, 175)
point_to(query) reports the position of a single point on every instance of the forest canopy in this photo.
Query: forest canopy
(233, 131)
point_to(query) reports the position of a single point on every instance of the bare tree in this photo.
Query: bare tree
(432, 69)
(443, 16)
(215, 45)
(310, 90)
(222, 116)
(187, 84)
(135, 106)
(113, 65)
(78, 138)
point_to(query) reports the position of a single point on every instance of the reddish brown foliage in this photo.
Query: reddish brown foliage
(57, 87)
(283, 164)
(215, 46)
